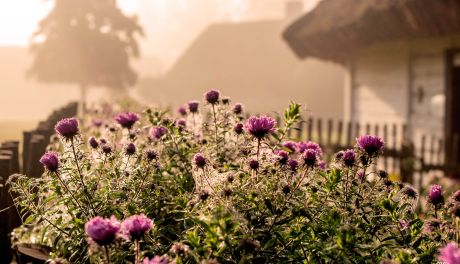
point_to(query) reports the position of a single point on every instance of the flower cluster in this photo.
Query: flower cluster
(223, 188)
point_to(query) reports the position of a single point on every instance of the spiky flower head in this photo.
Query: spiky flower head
(158, 132)
(97, 122)
(212, 96)
(107, 149)
(349, 158)
(93, 142)
(310, 157)
(181, 122)
(238, 128)
(282, 156)
(303, 146)
(102, 230)
(136, 226)
(127, 119)
(260, 126)
(157, 260)
(435, 196)
(449, 254)
(238, 108)
(67, 127)
(199, 160)
(50, 161)
(151, 155)
(409, 192)
(253, 164)
(290, 145)
(293, 164)
(130, 149)
(181, 110)
(193, 106)
(372, 145)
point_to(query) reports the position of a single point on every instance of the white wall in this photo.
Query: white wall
(380, 85)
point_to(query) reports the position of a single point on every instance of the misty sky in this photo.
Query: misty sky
(170, 24)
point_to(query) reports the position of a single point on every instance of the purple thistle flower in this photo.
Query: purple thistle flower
(136, 226)
(435, 195)
(310, 157)
(290, 145)
(349, 157)
(253, 164)
(199, 160)
(370, 144)
(93, 142)
(283, 156)
(106, 149)
(238, 128)
(238, 108)
(50, 161)
(102, 230)
(97, 122)
(103, 141)
(260, 126)
(361, 175)
(450, 254)
(181, 110)
(151, 154)
(212, 96)
(156, 260)
(193, 106)
(303, 146)
(158, 132)
(456, 196)
(409, 192)
(130, 149)
(67, 127)
(293, 164)
(181, 122)
(127, 120)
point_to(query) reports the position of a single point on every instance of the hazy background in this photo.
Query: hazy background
(177, 31)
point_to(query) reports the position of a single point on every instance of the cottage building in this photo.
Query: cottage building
(250, 62)
(402, 59)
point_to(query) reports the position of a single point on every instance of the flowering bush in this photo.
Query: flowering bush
(210, 186)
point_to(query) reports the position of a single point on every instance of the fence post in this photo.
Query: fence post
(5, 246)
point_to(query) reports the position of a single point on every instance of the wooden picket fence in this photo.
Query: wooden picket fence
(33, 146)
(403, 156)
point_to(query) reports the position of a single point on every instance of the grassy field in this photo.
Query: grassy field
(12, 129)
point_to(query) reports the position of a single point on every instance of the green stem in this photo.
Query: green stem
(85, 189)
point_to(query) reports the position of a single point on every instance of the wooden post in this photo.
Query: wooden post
(310, 128)
(14, 147)
(5, 246)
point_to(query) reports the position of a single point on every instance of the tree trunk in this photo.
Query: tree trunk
(82, 103)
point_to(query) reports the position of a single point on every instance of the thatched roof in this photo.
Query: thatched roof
(337, 28)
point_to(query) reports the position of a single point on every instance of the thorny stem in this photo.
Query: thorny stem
(107, 254)
(137, 253)
(346, 187)
(215, 128)
(75, 201)
(142, 182)
(258, 148)
(85, 189)
(298, 184)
